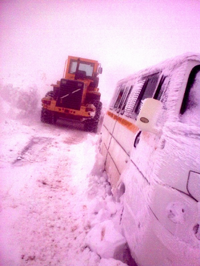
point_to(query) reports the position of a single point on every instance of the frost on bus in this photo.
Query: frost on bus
(150, 144)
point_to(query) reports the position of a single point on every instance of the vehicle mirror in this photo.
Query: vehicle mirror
(147, 118)
(100, 70)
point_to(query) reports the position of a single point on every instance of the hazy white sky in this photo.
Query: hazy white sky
(36, 36)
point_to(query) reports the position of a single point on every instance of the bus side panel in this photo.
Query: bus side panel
(145, 153)
(178, 214)
(112, 171)
(118, 155)
(106, 137)
(136, 218)
(104, 152)
(125, 134)
(106, 130)
(109, 121)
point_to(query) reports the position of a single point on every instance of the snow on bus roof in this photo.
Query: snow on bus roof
(168, 65)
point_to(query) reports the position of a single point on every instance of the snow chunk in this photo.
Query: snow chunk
(96, 205)
(111, 206)
(105, 240)
(111, 262)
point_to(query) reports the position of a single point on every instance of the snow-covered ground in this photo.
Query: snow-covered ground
(56, 204)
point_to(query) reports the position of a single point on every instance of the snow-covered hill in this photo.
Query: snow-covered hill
(56, 205)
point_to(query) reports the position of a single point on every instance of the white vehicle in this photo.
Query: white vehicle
(151, 147)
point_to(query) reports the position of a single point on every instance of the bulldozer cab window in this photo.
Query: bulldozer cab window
(88, 68)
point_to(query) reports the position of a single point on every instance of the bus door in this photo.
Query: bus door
(146, 143)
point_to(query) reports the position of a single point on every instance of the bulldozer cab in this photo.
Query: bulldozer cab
(81, 68)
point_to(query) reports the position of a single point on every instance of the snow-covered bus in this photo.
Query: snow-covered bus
(151, 147)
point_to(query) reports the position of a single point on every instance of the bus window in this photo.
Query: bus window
(126, 98)
(190, 108)
(147, 91)
(160, 89)
(161, 93)
(114, 98)
(132, 98)
(122, 99)
(119, 98)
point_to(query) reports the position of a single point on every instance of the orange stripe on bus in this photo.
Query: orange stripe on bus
(130, 126)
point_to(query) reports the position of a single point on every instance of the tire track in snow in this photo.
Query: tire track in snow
(53, 219)
(52, 209)
(33, 151)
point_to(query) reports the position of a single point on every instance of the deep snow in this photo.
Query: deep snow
(56, 204)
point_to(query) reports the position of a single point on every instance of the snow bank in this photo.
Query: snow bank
(19, 103)
(104, 220)
(21, 94)
(105, 240)
(54, 194)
